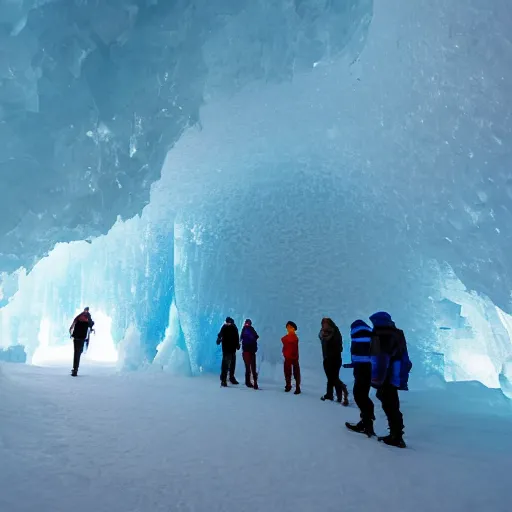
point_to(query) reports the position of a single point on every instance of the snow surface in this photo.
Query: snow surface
(148, 441)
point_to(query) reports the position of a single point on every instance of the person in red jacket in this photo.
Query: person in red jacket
(291, 358)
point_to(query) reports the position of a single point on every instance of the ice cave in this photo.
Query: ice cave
(169, 163)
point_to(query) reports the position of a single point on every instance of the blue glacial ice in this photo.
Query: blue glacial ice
(278, 160)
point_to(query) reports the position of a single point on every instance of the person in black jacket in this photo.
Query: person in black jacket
(332, 346)
(79, 331)
(229, 338)
(390, 373)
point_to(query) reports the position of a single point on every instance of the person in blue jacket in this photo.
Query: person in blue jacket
(249, 339)
(361, 336)
(390, 372)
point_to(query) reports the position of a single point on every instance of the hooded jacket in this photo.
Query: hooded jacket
(332, 341)
(361, 341)
(389, 355)
(249, 339)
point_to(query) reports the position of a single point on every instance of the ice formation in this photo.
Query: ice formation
(328, 157)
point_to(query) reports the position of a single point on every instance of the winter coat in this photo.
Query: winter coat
(332, 342)
(249, 339)
(361, 337)
(389, 355)
(290, 346)
(81, 325)
(228, 337)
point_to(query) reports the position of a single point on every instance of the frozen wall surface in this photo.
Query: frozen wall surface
(285, 159)
(94, 93)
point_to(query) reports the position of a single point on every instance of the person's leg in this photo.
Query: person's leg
(287, 366)
(247, 362)
(341, 388)
(360, 391)
(388, 395)
(362, 385)
(253, 370)
(232, 368)
(365, 384)
(226, 360)
(329, 391)
(78, 346)
(296, 374)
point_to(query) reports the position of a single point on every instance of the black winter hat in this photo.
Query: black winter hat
(292, 324)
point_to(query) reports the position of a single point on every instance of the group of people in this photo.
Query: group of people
(379, 359)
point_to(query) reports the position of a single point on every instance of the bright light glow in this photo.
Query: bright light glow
(468, 365)
(101, 346)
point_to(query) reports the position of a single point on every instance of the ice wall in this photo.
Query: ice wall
(336, 189)
(94, 93)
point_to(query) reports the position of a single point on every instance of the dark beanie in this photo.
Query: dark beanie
(292, 324)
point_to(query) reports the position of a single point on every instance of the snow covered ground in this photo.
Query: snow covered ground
(149, 442)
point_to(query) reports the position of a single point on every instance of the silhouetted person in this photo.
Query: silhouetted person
(332, 347)
(390, 372)
(79, 331)
(229, 339)
(360, 349)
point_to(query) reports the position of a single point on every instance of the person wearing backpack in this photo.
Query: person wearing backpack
(249, 339)
(360, 350)
(390, 373)
(332, 346)
(79, 331)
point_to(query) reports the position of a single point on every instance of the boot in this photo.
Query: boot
(328, 397)
(248, 383)
(287, 388)
(255, 385)
(393, 440)
(223, 384)
(297, 391)
(233, 381)
(361, 428)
